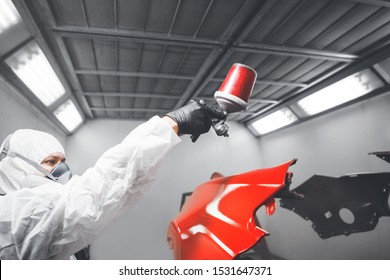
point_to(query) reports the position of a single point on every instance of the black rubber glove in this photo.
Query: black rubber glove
(195, 118)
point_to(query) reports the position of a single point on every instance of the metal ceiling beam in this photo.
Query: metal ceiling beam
(202, 75)
(377, 92)
(366, 61)
(134, 36)
(80, 32)
(9, 78)
(76, 82)
(295, 52)
(238, 30)
(174, 17)
(129, 94)
(270, 82)
(296, 93)
(115, 14)
(46, 22)
(252, 100)
(36, 29)
(379, 3)
(133, 74)
(260, 100)
(120, 109)
(254, 21)
(16, 48)
(281, 83)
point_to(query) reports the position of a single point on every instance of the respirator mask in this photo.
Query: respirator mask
(60, 174)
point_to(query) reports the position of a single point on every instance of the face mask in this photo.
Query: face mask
(61, 173)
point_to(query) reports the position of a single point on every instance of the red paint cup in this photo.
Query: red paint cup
(236, 88)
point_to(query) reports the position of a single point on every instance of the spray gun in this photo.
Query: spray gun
(233, 95)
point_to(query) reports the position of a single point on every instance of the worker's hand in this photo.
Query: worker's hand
(194, 118)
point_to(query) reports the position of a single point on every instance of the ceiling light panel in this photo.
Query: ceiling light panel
(9, 16)
(69, 116)
(340, 92)
(274, 121)
(34, 70)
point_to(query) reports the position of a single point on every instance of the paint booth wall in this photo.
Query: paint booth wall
(141, 232)
(333, 145)
(17, 113)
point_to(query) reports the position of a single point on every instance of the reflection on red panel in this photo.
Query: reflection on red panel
(217, 221)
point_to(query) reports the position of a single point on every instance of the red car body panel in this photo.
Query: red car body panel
(218, 220)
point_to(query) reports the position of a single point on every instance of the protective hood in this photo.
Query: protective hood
(32, 144)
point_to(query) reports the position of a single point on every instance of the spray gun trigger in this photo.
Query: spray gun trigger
(221, 128)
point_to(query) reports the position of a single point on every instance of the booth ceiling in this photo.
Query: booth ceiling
(132, 59)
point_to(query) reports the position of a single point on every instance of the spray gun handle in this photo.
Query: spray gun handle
(220, 128)
(218, 121)
(218, 117)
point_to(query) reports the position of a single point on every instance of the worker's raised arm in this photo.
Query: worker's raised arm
(54, 221)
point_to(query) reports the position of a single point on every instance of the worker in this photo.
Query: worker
(45, 213)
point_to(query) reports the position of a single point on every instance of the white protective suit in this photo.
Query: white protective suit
(42, 219)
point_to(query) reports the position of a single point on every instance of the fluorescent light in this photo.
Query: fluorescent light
(35, 71)
(338, 93)
(68, 115)
(9, 16)
(274, 121)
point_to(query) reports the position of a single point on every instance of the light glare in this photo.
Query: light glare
(9, 16)
(68, 115)
(35, 71)
(274, 121)
(336, 94)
